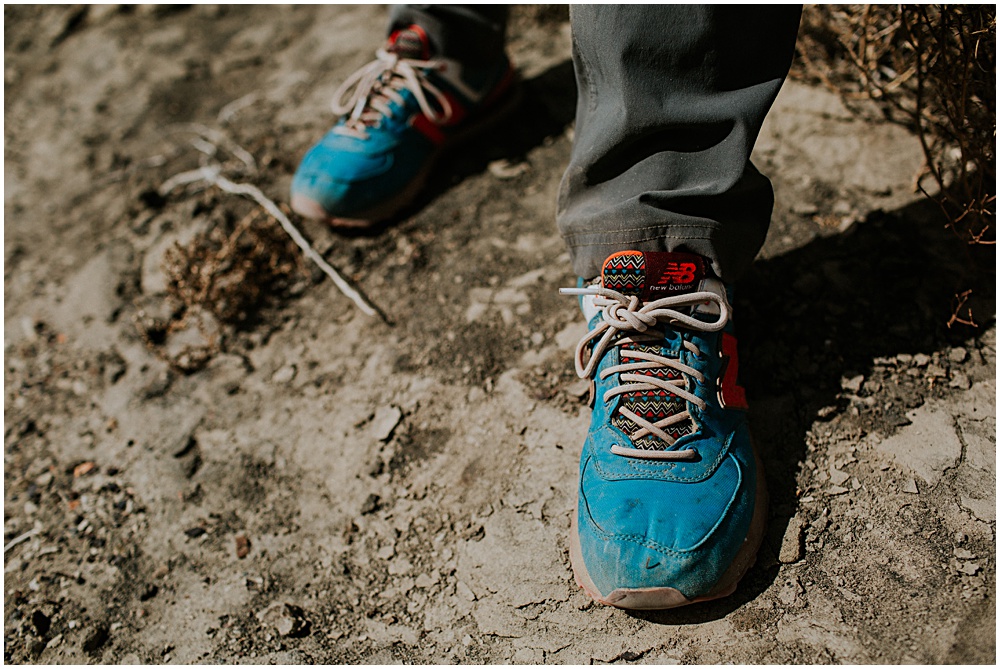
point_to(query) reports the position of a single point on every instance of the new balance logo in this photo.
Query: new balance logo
(678, 273)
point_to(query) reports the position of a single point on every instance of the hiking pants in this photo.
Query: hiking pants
(670, 100)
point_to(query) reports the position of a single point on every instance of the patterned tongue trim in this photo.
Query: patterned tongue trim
(653, 275)
(410, 42)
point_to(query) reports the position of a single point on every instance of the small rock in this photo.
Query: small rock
(790, 591)
(936, 371)
(285, 374)
(791, 542)
(41, 622)
(95, 639)
(242, 546)
(83, 469)
(288, 619)
(904, 358)
(957, 354)
(969, 568)
(921, 359)
(54, 641)
(399, 566)
(504, 169)
(161, 571)
(805, 209)
(426, 581)
(826, 412)
(44, 480)
(194, 532)
(960, 381)
(853, 384)
(386, 552)
(370, 505)
(963, 554)
(385, 421)
(838, 477)
(836, 490)
(911, 487)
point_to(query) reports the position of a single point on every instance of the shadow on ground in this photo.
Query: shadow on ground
(827, 311)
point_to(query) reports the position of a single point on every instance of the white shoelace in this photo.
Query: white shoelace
(366, 94)
(625, 322)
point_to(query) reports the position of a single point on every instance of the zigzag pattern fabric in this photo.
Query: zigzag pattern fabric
(625, 272)
(653, 405)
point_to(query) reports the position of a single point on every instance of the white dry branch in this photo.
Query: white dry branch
(212, 174)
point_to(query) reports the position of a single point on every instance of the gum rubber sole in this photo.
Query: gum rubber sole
(646, 599)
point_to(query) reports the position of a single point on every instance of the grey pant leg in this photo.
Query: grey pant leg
(670, 102)
(469, 33)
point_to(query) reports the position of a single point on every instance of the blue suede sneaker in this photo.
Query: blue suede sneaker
(397, 114)
(672, 501)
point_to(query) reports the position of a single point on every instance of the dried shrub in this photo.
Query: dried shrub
(232, 272)
(218, 282)
(932, 68)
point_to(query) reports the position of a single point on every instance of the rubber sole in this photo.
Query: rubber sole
(646, 599)
(309, 208)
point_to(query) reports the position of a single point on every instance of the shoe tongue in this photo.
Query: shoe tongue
(652, 275)
(410, 42)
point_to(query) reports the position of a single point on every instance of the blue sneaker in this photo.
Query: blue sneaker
(672, 501)
(397, 114)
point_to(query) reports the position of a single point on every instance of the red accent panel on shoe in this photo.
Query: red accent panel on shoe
(731, 396)
(432, 130)
(428, 129)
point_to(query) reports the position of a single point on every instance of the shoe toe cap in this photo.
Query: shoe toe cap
(649, 533)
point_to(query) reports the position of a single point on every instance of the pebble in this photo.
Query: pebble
(957, 354)
(503, 169)
(904, 358)
(285, 374)
(960, 381)
(791, 542)
(44, 480)
(386, 552)
(853, 384)
(95, 639)
(911, 487)
(921, 359)
(969, 568)
(385, 421)
(963, 554)
(936, 370)
(836, 490)
(805, 209)
(370, 505)
(838, 477)
(426, 581)
(242, 546)
(83, 469)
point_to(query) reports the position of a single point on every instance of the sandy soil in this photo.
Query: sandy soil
(330, 488)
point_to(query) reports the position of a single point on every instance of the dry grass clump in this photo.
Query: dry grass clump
(931, 67)
(231, 271)
(219, 282)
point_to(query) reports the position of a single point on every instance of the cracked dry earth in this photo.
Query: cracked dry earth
(330, 488)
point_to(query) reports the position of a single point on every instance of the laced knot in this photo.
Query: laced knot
(624, 322)
(367, 93)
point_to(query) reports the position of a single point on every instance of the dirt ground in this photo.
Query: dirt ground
(332, 488)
